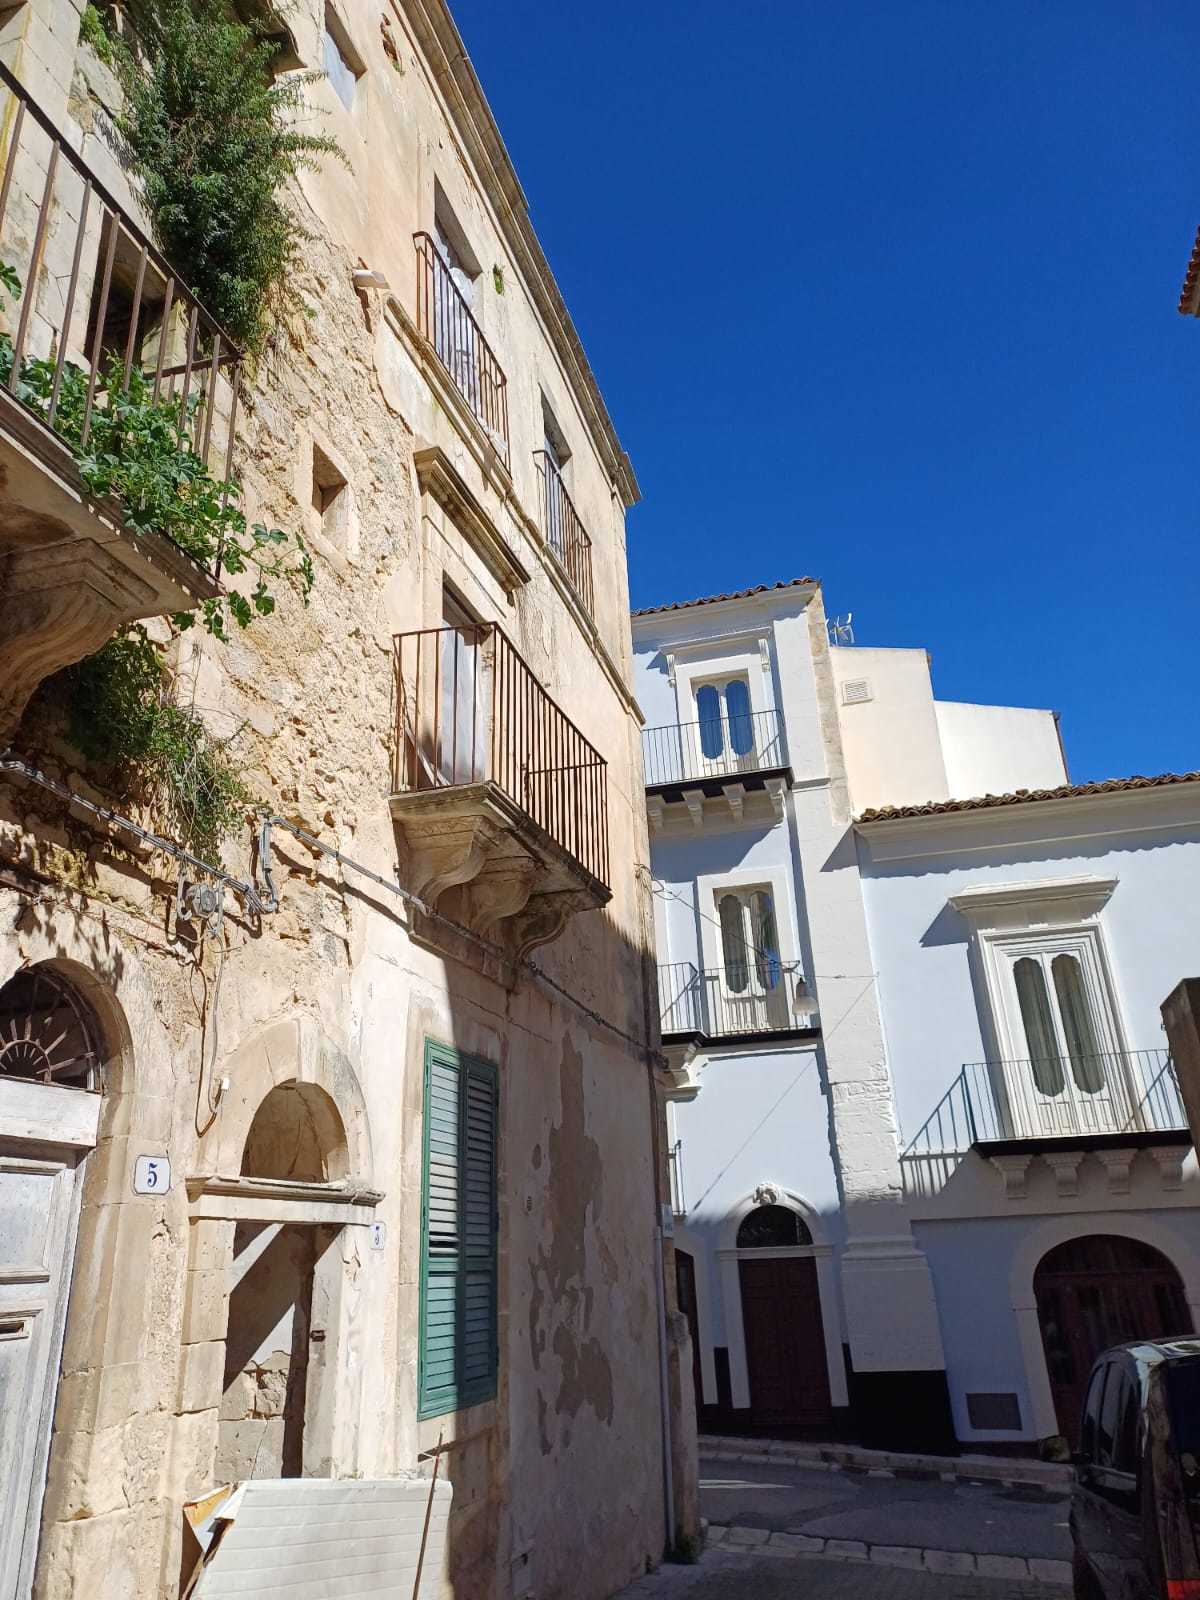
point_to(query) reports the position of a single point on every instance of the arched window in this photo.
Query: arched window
(708, 710)
(737, 709)
(1086, 1066)
(772, 1228)
(48, 1033)
(1044, 1061)
(733, 943)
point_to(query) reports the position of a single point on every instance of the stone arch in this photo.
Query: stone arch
(771, 1194)
(298, 1133)
(292, 1052)
(1037, 1243)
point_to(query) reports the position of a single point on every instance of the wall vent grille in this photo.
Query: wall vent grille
(855, 691)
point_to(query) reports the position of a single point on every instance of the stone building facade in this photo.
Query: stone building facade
(221, 1214)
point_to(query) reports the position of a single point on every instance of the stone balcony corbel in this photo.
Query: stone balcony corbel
(71, 572)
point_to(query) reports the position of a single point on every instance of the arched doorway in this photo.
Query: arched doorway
(51, 1065)
(1095, 1291)
(781, 1320)
(275, 1331)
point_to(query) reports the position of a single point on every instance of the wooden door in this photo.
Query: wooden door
(38, 1206)
(1094, 1292)
(785, 1341)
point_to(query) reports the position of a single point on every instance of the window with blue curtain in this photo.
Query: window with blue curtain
(708, 712)
(737, 714)
(457, 1345)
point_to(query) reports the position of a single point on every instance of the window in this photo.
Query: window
(328, 484)
(773, 1228)
(1058, 1021)
(463, 711)
(343, 65)
(726, 725)
(457, 1349)
(749, 940)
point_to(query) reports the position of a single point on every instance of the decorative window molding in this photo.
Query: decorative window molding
(1035, 902)
(439, 478)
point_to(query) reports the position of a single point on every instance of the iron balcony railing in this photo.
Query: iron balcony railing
(446, 320)
(1126, 1092)
(765, 995)
(565, 533)
(469, 710)
(724, 747)
(675, 1166)
(89, 300)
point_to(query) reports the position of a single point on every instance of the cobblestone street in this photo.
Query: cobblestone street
(724, 1575)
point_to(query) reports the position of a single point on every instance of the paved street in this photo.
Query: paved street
(897, 1526)
(986, 1518)
(723, 1575)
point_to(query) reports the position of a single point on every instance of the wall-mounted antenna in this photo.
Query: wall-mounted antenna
(841, 629)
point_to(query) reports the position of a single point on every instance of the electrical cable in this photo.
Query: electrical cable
(255, 901)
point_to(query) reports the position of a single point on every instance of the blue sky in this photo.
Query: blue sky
(885, 293)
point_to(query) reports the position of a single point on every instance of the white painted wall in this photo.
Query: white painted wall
(998, 749)
(982, 1242)
(902, 747)
(891, 740)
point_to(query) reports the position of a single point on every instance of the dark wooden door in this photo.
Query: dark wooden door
(785, 1341)
(1095, 1292)
(685, 1289)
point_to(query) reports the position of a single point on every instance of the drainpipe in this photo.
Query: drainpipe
(664, 1380)
(650, 1020)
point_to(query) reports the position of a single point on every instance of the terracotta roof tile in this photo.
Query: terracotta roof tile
(713, 599)
(1189, 299)
(1066, 791)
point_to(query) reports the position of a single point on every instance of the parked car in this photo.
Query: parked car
(1135, 1507)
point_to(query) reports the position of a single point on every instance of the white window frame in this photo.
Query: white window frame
(1044, 919)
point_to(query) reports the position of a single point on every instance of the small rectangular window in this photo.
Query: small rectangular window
(343, 64)
(457, 1348)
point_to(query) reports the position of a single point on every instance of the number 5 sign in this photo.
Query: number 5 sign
(151, 1175)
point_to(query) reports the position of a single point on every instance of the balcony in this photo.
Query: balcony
(501, 801)
(1058, 1108)
(445, 318)
(726, 756)
(87, 302)
(565, 533)
(698, 1007)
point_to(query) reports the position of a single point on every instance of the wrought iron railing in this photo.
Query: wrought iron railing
(765, 996)
(565, 533)
(723, 747)
(675, 1166)
(90, 300)
(469, 710)
(1120, 1092)
(446, 320)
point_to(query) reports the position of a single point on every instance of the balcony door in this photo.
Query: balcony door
(464, 705)
(1069, 1076)
(724, 728)
(752, 997)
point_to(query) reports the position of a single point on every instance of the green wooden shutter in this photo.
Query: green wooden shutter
(457, 1357)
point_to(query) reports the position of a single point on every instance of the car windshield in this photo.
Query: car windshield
(1183, 1401)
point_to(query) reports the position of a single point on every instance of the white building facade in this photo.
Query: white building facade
(927, 1147)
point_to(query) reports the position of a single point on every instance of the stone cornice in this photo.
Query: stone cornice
(441, 43)
(1081, 896)
(439, 477)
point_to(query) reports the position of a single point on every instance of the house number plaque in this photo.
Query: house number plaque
(151, 1175)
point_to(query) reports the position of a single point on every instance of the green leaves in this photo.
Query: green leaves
(138, 454)
(121, 716)
(215, 139)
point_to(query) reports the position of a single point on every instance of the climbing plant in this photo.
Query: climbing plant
(211, 135)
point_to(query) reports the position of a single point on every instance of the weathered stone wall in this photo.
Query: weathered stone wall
(558, 1482)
